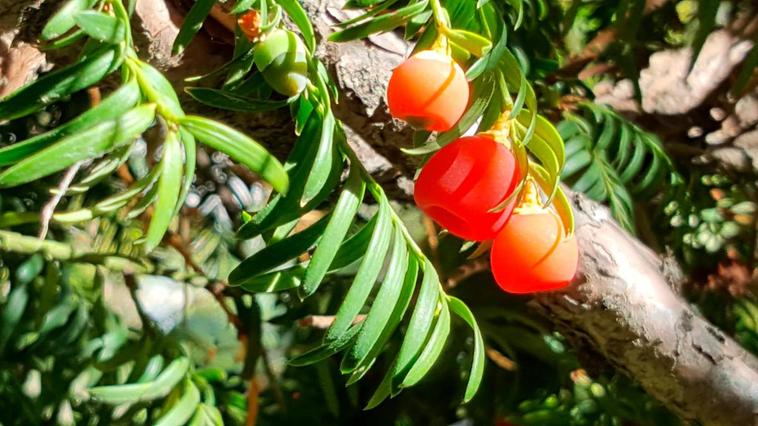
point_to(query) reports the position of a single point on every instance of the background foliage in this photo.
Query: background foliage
(152, 300)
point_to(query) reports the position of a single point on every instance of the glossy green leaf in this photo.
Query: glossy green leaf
(491, 60)
(183, 409)
(432, 349)
(326, 349)
(635, 164)
(226, 100)
(169, 186)
(110, 108)
(240, 148)
(90, 143)
(152, 369)
(278, 253)
(206, 415)
(136, 392)
(58, 315)
(354, 247)
(298, 15)
(240, 67)
(472, 42)
(383, 306)
(157, 89)
(58, 84)
(282, 209)
(560, 202)
(241, 6)
(101, 27)
(365, 278)
(420, 323)
(65, 41)
(425, 149)
(190, 162)
(382, 391)
(380, 24)
(477, 365)
(342, 216)
(109, 204)
(483, 90)
(400, 306)
(13, 310)
(368, 14)
(193, 21)
(286, 279)
(103, 168)
(64, 19)
(323, 162)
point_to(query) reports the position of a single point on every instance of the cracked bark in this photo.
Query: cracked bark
(622, 305)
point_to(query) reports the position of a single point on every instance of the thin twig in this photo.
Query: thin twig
(433, 240)
(599, 44)
(467, 270)
(273, 382)
(499, 359)
(46, 214)
(322, 322)
(215, 287)
(252, 403)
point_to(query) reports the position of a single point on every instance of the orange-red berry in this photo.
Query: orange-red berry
(429, 91)
(463, 181)
(531, 254)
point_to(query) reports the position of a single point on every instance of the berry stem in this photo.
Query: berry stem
(441, 20)
(500, 130)
(530, 199)
(441, 23)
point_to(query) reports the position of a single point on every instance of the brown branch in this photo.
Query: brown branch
(253, 403)
(174, 240)
(272, 380)
(599, 44)
(48, 210)
(215, 287)
(499, 359)
(467, 270)
(322, 322)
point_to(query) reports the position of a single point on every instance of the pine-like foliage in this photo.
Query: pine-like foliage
(129, 215)
(613, 160)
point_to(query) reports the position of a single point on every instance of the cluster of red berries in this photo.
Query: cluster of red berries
(463, 185)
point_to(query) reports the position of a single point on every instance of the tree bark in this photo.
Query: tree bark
(622, 304)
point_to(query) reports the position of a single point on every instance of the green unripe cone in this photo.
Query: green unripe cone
(282, 59)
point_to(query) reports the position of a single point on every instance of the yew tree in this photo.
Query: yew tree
(509, 212)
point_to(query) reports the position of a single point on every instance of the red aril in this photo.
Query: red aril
(531, 254)
(429, 91)
(463, 181)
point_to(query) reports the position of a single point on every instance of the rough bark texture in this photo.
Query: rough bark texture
(623, 305)
(694, 106)
(19, 60)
